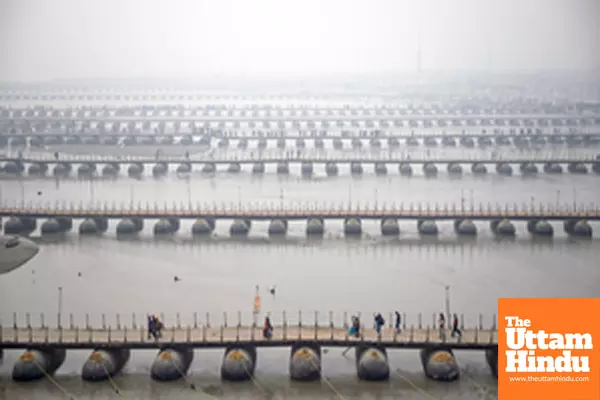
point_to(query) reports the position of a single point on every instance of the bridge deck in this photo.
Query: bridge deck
(220, 337)
(448, 132)
(301, 118)
(313, 210)
(271, 157)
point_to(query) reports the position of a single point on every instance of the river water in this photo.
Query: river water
(336, 274)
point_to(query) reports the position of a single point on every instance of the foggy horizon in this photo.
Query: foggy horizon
(266, 39)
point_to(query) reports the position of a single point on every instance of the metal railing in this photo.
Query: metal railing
(307, 208)
(323, 327)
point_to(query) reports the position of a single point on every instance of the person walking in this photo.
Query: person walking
(442, 326)
(455, 329)
(398, 321)
(379, 322)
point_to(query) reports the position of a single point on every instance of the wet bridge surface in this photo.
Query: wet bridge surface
(215, 337)
(307, 211)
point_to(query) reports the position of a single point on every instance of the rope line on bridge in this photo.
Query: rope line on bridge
(112, 382)
(191, 384)
(53, 381)
(483, 389)
(327, 381)
(259, 385)
(423, 392)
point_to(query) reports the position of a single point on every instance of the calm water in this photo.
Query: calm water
(219, 274)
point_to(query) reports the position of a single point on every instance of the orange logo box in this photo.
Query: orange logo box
(549, 349)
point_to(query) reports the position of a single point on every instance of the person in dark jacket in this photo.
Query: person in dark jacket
(398, 322)
(455, 330)
(379, 322)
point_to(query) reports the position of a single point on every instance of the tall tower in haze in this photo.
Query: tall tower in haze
(419, 61)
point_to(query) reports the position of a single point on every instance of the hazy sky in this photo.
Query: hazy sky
(51, 39)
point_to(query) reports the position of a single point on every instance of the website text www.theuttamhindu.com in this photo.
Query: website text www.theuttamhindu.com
(549, 378)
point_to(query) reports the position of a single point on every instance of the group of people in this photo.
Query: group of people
(442, 326)
(379, 323)
(155, 327)
(355, 328)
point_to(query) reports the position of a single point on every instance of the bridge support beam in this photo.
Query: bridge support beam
(62, 169)
(223, 143)
(239, 228)
(135, 170)
(29, 225)
(381, 169)
(14, 226)
(234, 168)
(104, 363)
(578, 228)
(454, 170)
(50, 227)
(405, 169)
(160, 169)
(504, 169)
(37, 169)
(540, 228)
(305, 362)
(239, 363)
(184, 168)
(127, 227)
(465, 227)
(528, 169)
(66, 224)
(356, 169)
(88, 227)
(111, 169)
(439, 364)
(503, 228)
(491, 356)
(372, 363)
(315, 227)
(12, 168)
(283, 168)
(307, 169)
(390, 227)
(35, 361)
(478, 169)
(427, 227)
(430, 170)
(209, 168)
(331, 169)
(86, 170)
(352, 227)
(102, 223)
(171, 364)
(258, 168)
(278, 227)
(552, 168)
(577, 168)
(202, 226)
(165, 227)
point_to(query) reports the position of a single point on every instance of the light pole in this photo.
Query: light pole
(60, 301)
(449, 318)
(281, 199)
(240, 198)
(472, 199)
(557, 199)
(574, 199)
